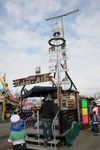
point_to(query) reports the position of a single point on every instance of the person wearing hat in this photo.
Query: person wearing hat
(47, 112)
(17, 136)
(17, 126)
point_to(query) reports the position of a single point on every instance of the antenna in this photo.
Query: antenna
(61, 16)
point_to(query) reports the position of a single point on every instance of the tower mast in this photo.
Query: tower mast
(58, 43)
(61, 16)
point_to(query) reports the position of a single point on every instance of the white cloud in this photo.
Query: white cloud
(25, 33)
(88, 25)
(31, 11)
(22, 40)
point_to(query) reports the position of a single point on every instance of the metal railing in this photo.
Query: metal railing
(33, 117)
(38, 128)
(37, 118)
(54, 127)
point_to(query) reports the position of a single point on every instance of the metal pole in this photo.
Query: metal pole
(3, 108)
(62, 27)
(59, 96)
(38, 131)
(66, 14)
(58, 79)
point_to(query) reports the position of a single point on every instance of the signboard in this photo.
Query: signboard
(52, 49)
(52, 58)
(32, 80)
(68, 102)
(52, 68)
(29, 103)
(63, 54)
(85, 117)
(66, 85)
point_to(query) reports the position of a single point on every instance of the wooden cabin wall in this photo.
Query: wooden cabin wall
(66, 117)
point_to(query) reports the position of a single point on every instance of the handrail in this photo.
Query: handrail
(33, 115)
(55, 118)
(53, 127)
(38, 128)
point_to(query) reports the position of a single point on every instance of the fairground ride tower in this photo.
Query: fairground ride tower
(58, 57)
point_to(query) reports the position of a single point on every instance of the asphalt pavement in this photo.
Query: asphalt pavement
(4, 132)
(84, 141)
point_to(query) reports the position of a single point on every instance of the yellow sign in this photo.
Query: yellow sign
(84, 111)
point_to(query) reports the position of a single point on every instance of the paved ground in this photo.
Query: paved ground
(4, 132)
(85, 140)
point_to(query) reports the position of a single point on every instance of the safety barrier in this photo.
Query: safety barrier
(72, 133)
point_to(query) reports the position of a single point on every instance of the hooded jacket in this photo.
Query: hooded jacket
(48, 109)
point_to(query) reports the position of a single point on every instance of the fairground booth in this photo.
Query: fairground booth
(66, 124)
(67, 120)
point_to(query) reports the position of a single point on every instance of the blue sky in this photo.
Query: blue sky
(24, 36)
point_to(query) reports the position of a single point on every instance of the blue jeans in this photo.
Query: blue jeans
(47, 129)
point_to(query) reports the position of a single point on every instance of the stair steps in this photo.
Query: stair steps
(40, 147)
(40, 140)
(33, 131)
(38, 144)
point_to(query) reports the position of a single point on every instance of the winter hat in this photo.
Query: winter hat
(14, 118)
(17, 124)
(49, 98)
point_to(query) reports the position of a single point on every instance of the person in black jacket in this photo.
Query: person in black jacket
(95, 121)
(47, 112)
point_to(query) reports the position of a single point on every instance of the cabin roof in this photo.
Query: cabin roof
(38, 91)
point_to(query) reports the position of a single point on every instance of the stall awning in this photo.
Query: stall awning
(38, 91)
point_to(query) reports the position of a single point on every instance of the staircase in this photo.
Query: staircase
(38, 144)
(35, 139)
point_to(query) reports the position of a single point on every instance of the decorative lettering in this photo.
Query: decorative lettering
(32, 80)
